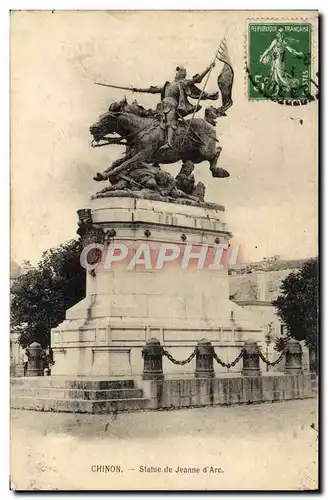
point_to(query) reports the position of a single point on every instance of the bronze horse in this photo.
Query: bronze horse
(144, 136)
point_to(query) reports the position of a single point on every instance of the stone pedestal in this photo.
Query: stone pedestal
(293, 362)
(251, 359)
(204, 359)
(35, 363)
(153, 360)
(104, 334)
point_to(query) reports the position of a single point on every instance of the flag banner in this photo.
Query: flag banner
(226, 77)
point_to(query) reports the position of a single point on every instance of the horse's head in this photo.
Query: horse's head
(211, 115)
(107, 124)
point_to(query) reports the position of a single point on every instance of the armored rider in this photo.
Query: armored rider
(174, 99)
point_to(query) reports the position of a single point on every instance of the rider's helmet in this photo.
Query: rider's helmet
(181, 73)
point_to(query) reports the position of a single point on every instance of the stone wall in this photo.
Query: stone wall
(263, 286)
(226, 391)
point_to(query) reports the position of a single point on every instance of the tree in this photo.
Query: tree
(280, 343)
(269, 339)
(40, 297)
(298, 304)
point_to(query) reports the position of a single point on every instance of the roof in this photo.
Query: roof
(276, 264)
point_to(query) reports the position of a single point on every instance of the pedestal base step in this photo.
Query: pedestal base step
(78, 396)
(89, 395)
(87, 384)
(78, 405)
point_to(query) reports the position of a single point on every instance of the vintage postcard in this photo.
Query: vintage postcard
(164, 250)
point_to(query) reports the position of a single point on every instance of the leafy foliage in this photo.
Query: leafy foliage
(40, 297)
(298, 304)
(269, 336)
(280, 343)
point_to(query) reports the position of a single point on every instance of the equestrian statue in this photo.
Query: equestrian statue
(164, 135)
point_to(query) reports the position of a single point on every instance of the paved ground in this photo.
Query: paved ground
(267, 446)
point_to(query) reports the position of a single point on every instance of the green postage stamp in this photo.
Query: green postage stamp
(279, 61)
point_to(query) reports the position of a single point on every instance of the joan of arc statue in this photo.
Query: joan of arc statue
(174, 99)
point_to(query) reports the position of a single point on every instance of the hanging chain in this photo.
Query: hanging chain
(222, 363)
(229, 365)
(273, 363)
(176, 361)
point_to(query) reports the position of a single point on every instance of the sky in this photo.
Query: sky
(271, 194)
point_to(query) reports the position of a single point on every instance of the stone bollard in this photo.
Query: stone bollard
(251, 359)
(293, 362)
(204, 359)
(152, 355)
(35, 360)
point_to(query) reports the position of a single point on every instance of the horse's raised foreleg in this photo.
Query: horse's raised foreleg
(217, 171)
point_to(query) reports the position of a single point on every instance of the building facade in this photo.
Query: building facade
(254, 289)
